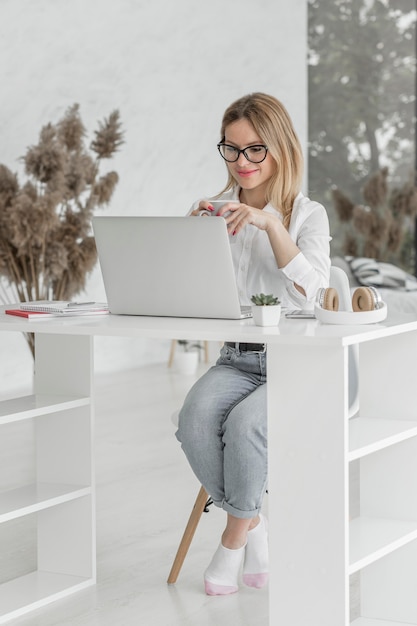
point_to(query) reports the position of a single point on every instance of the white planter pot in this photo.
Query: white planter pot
(186, 362)
(266, 315)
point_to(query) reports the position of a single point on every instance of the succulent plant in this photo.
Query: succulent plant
(260, 299)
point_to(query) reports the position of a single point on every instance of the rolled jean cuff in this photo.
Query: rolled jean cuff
(236, 512)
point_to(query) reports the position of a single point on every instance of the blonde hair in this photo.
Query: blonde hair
(273, 124)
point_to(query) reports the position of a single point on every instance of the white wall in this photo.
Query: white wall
(171, 68)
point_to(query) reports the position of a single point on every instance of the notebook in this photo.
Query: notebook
(167, 266)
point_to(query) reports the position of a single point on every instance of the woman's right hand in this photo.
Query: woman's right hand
(204, 208)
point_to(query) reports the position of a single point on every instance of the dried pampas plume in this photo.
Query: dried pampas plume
(382, 228)
(344, 207)
(108, 138)
(46, 246)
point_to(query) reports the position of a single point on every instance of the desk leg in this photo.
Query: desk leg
(308, 485)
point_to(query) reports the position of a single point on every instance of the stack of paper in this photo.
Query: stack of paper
(40, 309)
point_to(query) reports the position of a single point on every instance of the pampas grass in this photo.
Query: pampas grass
(46, 246)
(383, 227)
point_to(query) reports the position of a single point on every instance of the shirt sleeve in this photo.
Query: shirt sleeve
(300, 271)
(310, 268)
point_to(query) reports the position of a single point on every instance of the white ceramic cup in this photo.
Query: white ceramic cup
(218, 204)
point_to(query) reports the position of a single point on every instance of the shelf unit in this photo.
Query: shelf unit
(383, 546)
(62, 495)
(322, 545)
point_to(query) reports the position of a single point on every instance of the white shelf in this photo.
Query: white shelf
(36, 497)
(371, 539)
(367, 621)
(368, 435)
(24, 594)
(35, 405)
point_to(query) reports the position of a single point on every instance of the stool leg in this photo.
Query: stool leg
(188, 535)
(172, 352)
(206, 351)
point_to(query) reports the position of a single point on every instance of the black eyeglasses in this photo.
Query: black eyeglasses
(254, 154)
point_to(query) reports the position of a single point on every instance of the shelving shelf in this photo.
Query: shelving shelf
(368, 435)
(28, 407)
(371, 539)
(36, 497)
(29, 592)
(366, 621)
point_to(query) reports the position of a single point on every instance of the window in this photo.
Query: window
(361, 107)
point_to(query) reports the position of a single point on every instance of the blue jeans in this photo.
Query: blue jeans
(223, 431)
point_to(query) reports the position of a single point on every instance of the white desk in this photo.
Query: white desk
(315, 547)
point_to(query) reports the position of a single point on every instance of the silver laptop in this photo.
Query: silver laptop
(167, 266)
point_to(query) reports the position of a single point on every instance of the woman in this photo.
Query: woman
(281, 246)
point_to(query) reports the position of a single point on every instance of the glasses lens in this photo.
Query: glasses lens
(229, 153)
(255, 154)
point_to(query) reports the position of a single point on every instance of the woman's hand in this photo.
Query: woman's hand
(237, 216)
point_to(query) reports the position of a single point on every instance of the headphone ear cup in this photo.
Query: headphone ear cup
(363, 299)
(330, 299)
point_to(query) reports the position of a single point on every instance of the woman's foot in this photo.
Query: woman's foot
(221, 576)
(255, 568)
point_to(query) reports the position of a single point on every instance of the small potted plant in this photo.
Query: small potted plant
(187, 359)
(266, 309)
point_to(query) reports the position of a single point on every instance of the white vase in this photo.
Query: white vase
(186, 362)
(268, 315)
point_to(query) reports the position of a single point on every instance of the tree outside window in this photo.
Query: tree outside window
(361, 101)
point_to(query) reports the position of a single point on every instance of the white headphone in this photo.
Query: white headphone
(367, 305)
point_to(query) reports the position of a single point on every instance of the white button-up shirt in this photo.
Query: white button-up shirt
(255, 264)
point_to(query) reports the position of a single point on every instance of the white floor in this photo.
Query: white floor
(145, 491)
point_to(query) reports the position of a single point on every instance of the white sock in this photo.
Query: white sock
(221, 576)
(255, 568)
